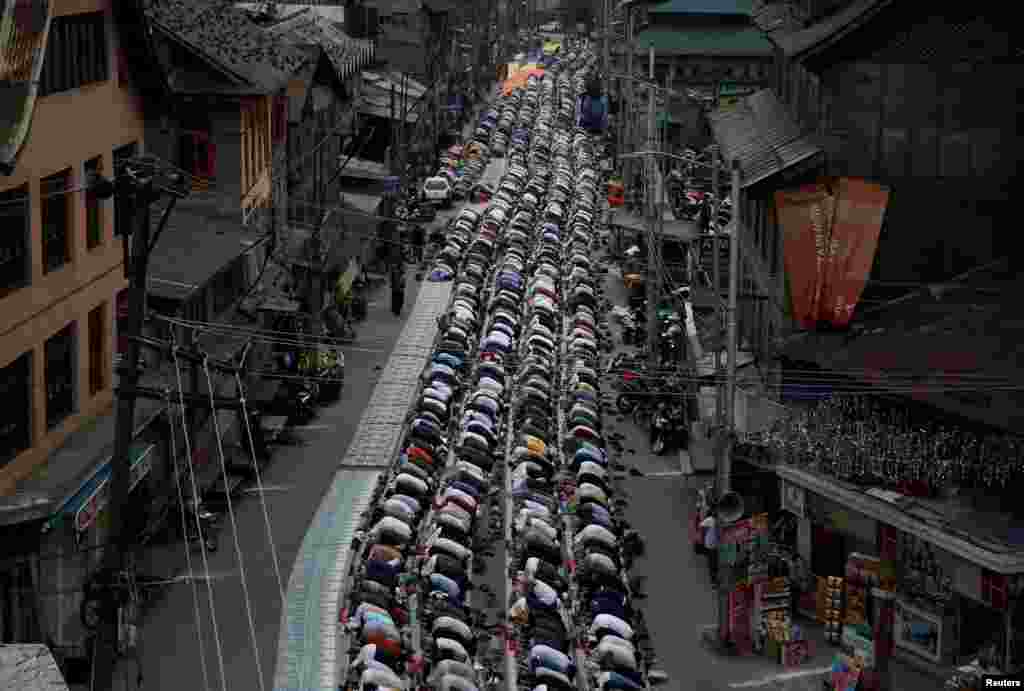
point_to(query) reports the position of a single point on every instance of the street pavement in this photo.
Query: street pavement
(295, 481)
(171, 648)
(680, 603)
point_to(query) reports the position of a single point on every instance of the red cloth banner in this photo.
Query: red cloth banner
(850, 249)
(805, 218)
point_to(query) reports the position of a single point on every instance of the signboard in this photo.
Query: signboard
(859, 211)
(794, 499)
(738, 533)
(97, 501)
(805, 216)
(795, 653)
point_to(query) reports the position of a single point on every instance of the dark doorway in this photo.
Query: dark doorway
(828, 552)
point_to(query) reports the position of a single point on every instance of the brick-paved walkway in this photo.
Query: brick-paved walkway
(308, 654)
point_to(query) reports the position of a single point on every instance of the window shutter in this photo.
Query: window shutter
(993, 589)
(211, 159)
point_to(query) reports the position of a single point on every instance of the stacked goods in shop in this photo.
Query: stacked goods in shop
(830, 607)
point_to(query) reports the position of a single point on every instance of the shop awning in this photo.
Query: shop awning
(94, 495)
(376, 96)
(759, 133)
(911, 516)
(30, 667)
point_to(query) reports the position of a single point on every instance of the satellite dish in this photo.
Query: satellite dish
(730, 506)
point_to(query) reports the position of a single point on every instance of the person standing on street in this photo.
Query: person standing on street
(418, 237)
(397, 289)
(710, 526)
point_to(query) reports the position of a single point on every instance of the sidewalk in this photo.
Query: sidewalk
(660, 493)
(309, 653)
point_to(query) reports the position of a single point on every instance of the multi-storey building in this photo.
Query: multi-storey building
(71, 113)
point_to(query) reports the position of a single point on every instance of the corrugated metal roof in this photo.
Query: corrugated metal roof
(334, 13)
(29, 667)
(365, 169)
(724, 7)
(705, 40)
(22, 50)
(781, 17)
(796, 43)
(309, 27)
(759, 133)
(388, 79)
(227, 37)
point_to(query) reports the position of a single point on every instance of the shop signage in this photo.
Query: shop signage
(795, 653)
(859, 211)
(794, 499)
(738, 533)
(917, 631)
(86, 515)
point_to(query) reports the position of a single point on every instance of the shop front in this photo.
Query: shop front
(890, 585)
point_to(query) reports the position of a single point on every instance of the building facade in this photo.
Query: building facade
(706, 51)
(62, 257)
(895, 97)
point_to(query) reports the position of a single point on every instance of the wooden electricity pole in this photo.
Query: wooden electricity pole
(139, 190)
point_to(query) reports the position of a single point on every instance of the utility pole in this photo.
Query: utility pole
(716, 276)
(653, 239)
(392, 154)
(734, 262)
(630, 141)
(139, 186)
(724, 437)
(607, 64)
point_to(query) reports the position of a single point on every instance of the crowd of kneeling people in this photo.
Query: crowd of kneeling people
(560, 603)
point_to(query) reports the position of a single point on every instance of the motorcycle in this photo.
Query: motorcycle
(331, 373)
(204, 534)
(667, 429)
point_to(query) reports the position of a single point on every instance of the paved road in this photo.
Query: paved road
(680, 600)
(296, 480)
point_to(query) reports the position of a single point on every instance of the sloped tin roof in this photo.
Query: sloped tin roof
(227, 37)
(22, 50)
(797, 43)
(29, 667)
(718, 40)
(308, 27)
(723, 7)
(758, 132)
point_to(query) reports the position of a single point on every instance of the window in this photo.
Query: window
(56, 219)
(280, 118)
(15, 220)
(122, 217)
(121, 322)
(16, 424)
(76, 53)
(97, 350)
(255, 123)
(198, 154)
(60, 376)
(93, 205)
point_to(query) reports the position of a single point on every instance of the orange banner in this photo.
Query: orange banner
(805, 217)
(859, 212)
